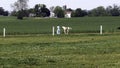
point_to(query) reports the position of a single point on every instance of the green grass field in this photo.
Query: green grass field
(29, 43)
(44, 26)
(73, 51)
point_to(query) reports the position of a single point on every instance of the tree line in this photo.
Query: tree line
(40, 10)
(99, 11)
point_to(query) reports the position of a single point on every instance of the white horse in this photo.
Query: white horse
(66, 29)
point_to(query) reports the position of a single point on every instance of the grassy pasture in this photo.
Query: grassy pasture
(73, 51)
(44, 26)
(83, 48)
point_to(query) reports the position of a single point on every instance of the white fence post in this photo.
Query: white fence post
(101, 29)
(4, 31)
(53, 30)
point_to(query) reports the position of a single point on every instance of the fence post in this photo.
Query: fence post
(101, 29)
(53, 30)
(4, 31)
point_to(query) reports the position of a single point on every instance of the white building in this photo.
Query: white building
(32, 15)
(68, 14)
(52, 15)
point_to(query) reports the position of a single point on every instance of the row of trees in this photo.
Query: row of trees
(40, 10)
(109, 11)
(99, 11)
(3, 12)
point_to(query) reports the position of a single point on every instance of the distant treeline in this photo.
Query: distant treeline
(40, 10)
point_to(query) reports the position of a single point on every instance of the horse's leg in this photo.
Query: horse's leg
(67, 31)
(64, 31)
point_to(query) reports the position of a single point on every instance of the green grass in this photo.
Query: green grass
(29, 43)
(65, 51)
(44, 26)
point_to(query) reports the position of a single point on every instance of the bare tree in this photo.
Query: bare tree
(20, 5)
